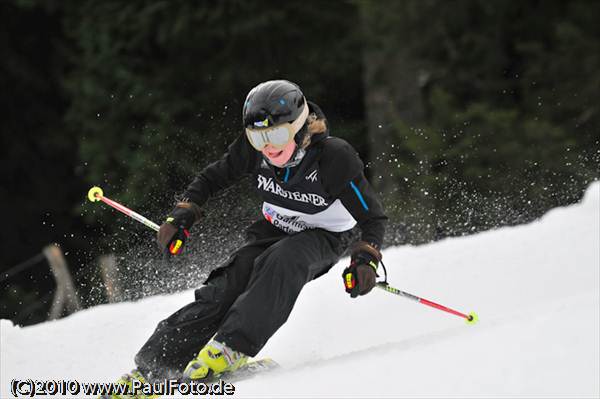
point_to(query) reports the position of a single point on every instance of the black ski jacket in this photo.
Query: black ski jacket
(327, 190)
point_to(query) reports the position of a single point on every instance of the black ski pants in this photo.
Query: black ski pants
(245, 300)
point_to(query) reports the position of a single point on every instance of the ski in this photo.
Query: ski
(247, 371)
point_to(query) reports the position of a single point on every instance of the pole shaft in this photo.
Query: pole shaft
(442, 307)
(424, 301)
(134, 215)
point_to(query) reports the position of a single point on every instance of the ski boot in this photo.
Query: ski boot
(125, 380)
(214, 360)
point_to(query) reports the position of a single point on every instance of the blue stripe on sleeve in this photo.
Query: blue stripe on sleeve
(359, 195)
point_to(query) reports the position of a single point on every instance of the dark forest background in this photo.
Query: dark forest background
(469, 115)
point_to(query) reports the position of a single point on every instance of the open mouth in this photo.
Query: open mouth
(274, 154)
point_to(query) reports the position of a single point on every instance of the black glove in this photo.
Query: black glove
(173, 233)
(360, 277)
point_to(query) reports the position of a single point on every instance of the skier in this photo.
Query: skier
(314, 193)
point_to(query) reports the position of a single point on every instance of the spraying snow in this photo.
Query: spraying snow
(536, 289)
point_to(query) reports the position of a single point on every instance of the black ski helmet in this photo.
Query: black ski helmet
(278, 101)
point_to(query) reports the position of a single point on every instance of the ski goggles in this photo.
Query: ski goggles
(278, 136)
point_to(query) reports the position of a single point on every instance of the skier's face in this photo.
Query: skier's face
(279, 157)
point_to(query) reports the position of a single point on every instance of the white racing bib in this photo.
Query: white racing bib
(335, 218)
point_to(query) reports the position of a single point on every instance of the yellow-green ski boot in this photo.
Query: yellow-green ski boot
(126, 380)
(213, 360)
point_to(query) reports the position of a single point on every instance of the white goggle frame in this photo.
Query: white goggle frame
(278, 136)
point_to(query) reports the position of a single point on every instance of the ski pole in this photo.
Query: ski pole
(470, 318)
(95, 194)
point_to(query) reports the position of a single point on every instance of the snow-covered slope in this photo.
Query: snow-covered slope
(535, 287)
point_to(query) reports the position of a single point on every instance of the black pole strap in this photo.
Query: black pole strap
(385, 274)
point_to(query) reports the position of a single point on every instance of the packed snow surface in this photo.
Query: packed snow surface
(535, 288)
